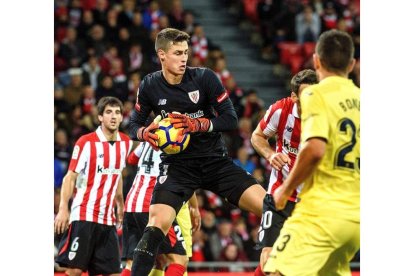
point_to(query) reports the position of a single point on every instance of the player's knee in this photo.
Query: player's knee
(147, 247)
(178, 259)
(74, 272)
(252, 199)
(128, 264)
(264, 256)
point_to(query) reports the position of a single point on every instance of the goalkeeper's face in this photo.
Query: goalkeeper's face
(175, 59)
(111, 118)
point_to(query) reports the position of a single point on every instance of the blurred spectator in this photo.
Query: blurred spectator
(252, 254)
(139, 34)
(60, 104)
(201, 248)
(108, 57)
(163, 22)
(85, 24)
(88, 100)
(329, 17)
(72, 48)
(59, 61)
(189, 23)
(128, 106)
(106, 88)
(252, 104)
(96, 41)
(259, 175)
(127, 13)
(75, 13)
(59, 173)
(151, 16)
(308, 25)
(199, 43)
(223, 237)
(92, 74)
(119, 78)
(208, 223)
(124, 42)
(100, 12)
(236, 95)
(266, 10)
(220, 68)
(176, 15)
(73, 92)
(243, 160)
(133, 85)
(111, 25)
(63, 148)
(285, 20)
(232, 253)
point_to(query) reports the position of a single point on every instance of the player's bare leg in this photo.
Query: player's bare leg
(178, 264)
(161, 217)
(264, 256)
(73, 272)
(252, 199)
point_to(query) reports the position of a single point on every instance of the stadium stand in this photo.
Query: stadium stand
(105, 47)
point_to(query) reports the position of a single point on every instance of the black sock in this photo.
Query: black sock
(146, 251)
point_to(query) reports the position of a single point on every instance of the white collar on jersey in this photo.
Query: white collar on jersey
(102, 137)
(295, 110)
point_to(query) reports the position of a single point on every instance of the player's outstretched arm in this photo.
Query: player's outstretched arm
(261, 144)
(62, 217)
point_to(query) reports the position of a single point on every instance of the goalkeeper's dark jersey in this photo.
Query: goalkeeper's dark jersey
(200, 94)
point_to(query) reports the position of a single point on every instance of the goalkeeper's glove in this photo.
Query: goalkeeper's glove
(188, 124)
(147, 133)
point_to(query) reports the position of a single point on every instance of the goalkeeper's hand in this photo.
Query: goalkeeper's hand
(188, 124)
(147, 133)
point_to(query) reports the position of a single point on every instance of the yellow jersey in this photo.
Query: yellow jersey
(331, 110)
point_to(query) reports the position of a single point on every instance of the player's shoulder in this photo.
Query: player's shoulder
(152, 78)
(124, 137)
(284, 103)
(198, 72)
(89, 137)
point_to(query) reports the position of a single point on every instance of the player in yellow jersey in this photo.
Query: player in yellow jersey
(323, 233)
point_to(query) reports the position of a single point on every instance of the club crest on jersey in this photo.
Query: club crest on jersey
(75, 153)
(194, 96)
(162, 179)
(71, 255)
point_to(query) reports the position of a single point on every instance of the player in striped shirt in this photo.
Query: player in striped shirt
(281, 120)
(178, 243)
(323, 233)
(94, 179)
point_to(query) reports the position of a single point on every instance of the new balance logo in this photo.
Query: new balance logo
(162, 101)
(290, 129)
(101, 155)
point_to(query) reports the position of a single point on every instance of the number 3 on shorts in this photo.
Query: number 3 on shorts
(282, 246)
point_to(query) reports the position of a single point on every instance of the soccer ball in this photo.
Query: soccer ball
(167, 138)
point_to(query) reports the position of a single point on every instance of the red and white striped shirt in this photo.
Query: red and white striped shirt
(282, 120)
(99, 164)
(139, 196)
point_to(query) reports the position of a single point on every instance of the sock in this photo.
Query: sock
(126, 272)
(156, 272)
(258, 271)
(175, 270)
(146, 251)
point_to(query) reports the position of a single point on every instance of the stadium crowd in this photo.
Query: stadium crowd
(104, 48)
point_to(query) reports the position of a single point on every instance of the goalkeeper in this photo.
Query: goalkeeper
(205, 110)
